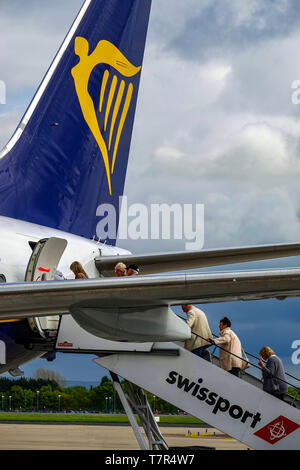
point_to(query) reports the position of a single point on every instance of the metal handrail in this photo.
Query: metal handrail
(248, 362)
(254, 365)
(257, 357)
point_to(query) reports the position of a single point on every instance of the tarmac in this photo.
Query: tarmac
(19, 436)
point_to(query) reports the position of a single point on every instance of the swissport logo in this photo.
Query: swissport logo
(277, 429)
(219, 404)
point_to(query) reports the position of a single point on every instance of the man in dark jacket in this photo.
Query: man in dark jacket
(273, 373)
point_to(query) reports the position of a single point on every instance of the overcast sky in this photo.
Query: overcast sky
(215, 122)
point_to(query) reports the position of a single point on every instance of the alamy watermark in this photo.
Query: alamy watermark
(296, 344)
(2, 92)
(296, 93)
(296, 353)
(158, 222)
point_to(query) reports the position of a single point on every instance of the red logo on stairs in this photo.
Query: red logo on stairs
(277, 429)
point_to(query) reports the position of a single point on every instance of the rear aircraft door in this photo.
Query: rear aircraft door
(42, 266)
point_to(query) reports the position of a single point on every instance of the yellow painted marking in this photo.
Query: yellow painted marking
(103, 87)
(104, 53)
(116, 110)
(11, 320)
(110, 99)
(209, 436)
(121, 124)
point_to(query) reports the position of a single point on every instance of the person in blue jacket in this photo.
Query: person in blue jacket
(274, 380)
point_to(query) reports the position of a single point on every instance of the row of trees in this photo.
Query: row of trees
(47, 395)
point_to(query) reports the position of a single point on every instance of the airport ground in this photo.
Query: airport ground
(20, 436)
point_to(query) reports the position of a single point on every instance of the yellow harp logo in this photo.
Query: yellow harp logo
(104, 53)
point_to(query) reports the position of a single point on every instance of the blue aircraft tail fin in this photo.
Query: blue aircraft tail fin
(69, 154)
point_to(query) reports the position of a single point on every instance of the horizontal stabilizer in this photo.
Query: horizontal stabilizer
(176, 261)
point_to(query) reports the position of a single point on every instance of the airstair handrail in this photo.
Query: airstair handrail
(246, 360)
(258, 358)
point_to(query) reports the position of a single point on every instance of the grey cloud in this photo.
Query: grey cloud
(261, 80)
(8, 124)
(256, 152)
(31, 33)
(225, 26)
(39, 13)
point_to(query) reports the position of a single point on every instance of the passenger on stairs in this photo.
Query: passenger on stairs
(197, 321)
(132, 270)
(120, 270)
(59, 276)
(78, 270)
(273, 373)
(231, 343)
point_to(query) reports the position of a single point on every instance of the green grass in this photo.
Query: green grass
(88, 418)
(180, 420)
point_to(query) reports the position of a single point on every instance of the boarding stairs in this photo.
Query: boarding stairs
(236, 407)
(257, 381)
(211, 394)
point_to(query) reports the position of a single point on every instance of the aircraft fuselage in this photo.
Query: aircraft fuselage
(15, 252)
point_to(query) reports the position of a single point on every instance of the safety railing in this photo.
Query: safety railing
(293, 398)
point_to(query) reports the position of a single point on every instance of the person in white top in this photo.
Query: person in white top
(197, 321)
(231, 343)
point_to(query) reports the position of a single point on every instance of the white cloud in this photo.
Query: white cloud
(259, 151)
(168, 154)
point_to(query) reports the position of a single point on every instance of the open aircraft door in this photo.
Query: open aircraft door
(42, 266)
